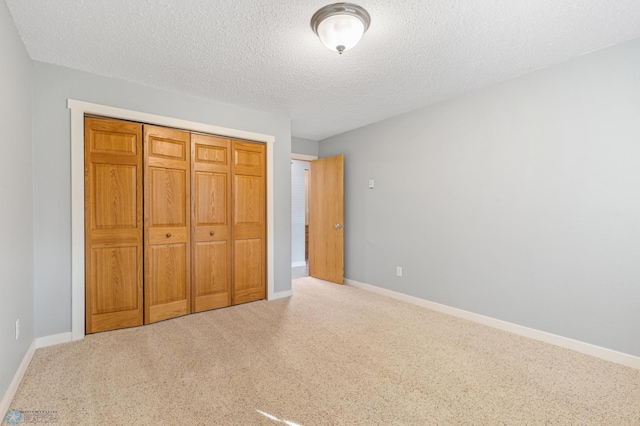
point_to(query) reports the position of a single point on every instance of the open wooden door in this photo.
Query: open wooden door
(326, 219)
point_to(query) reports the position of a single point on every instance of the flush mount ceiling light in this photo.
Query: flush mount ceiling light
(340, 26)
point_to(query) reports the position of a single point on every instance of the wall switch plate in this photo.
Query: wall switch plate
(17, 328)
(399, 271)
(371, 183)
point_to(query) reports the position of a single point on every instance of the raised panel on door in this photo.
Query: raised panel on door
(249, 206)
(113, 225)
(249, 279)
(115, 204)
(167, 194)
(167, 281)
(116, 305)
(211, 195)
(249, 216)
(211, 224)
(118, 265)
(167, 186)
(211, 275)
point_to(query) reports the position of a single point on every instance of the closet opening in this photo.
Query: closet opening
(78, 112)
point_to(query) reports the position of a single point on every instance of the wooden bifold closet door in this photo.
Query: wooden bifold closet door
(248, 222)
(113, 224)
(167, 207)
(211, 213)
(175, 223)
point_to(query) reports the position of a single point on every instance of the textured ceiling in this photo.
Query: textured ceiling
(262, 54)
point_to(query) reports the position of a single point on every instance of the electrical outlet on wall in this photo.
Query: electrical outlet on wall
(17, 328)
(399, 271)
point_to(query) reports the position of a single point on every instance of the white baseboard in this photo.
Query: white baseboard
(17, 378)
(281, 295)
(564, 342)
(298, 264)
(40, 342)
(56, 339)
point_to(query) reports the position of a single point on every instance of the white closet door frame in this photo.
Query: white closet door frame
(78, 111)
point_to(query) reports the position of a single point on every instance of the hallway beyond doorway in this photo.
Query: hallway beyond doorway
(300, 271)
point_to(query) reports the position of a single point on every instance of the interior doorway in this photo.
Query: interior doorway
(300, 215)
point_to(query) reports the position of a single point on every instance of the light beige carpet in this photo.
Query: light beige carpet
(330, 355)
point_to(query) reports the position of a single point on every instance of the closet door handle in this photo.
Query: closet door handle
(211, 233)
(168, 234)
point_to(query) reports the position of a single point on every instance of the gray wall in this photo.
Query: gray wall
(520, 201)
(52, 177)
(16, 193)
(304, 146)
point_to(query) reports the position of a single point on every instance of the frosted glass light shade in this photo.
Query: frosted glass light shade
(340, 32)
(340, 26)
